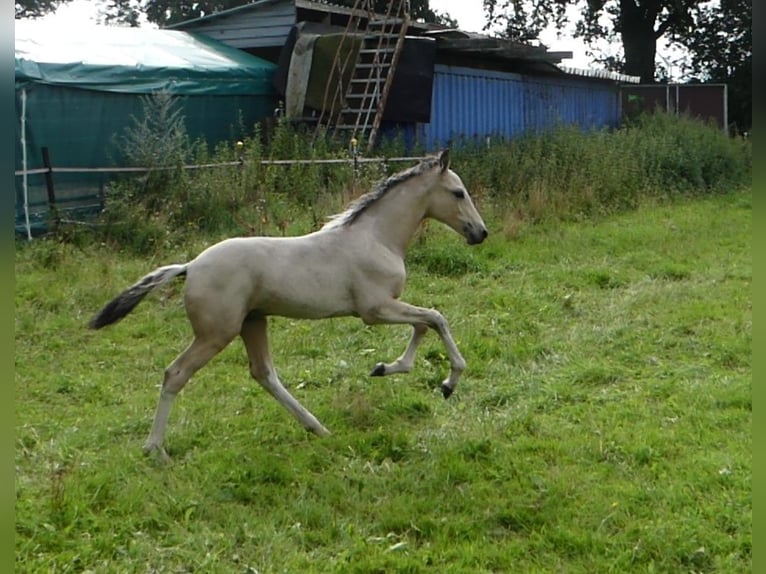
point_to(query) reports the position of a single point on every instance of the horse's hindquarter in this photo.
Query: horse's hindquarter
(312, 276)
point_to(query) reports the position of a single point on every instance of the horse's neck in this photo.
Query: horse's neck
(395, 219)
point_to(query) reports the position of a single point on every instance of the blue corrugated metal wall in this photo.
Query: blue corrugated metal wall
(473, 104)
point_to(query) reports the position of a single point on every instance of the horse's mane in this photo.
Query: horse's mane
(360, 204)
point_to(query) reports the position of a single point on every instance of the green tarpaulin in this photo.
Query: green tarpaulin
(78, 90)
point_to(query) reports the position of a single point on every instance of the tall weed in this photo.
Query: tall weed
(684, 155)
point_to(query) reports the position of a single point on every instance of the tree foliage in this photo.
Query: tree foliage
(715, 33)
(721, 48)
(637, 24)
(36, 8)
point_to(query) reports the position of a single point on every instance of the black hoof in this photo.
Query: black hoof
(379, 370)
(446, 391)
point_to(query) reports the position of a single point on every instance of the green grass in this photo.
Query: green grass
(603, 424)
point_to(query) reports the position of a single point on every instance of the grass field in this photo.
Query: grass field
(603, 423)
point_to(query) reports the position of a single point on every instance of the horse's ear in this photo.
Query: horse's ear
(444, 160)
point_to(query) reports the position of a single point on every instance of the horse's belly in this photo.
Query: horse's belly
(307, 300)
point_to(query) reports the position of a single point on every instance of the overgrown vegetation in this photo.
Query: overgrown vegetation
(563, 174)
(567, 173)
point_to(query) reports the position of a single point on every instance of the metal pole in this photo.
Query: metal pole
(24, 161)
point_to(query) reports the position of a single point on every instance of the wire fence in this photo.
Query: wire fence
(352, 161)
(49, 170)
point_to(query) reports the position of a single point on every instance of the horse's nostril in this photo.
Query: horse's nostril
(484, 233)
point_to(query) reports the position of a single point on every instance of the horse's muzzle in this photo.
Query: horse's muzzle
(474, 236)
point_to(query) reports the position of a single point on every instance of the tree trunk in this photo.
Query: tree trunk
(639, 39)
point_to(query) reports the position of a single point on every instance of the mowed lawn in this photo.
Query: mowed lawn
(603, 423)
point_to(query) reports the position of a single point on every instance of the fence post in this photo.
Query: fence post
(49, 186)
(355, 155)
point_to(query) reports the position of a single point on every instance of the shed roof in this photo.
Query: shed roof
(136, 60)
(469, 48)
(449, 39)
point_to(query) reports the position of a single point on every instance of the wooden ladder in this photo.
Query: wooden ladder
(358, 111)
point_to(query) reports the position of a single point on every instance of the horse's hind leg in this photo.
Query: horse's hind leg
(261, 368)
(178, 373)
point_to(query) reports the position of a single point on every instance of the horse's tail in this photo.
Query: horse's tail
(124, 303)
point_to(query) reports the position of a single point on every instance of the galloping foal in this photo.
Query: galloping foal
(353, 266)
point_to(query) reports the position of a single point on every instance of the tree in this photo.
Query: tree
(638, 24)
(721, 48)
(36, 8)
(166, 12)
(715, 33)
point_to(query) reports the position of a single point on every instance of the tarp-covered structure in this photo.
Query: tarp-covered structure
(77, 91)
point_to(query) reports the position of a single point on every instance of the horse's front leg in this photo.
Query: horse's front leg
(397, 312)
(404, 363)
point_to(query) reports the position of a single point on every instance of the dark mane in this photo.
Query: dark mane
(359, 205)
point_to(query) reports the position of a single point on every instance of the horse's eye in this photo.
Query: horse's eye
(459, 194)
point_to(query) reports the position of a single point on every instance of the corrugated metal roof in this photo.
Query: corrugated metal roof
(600, 74)
(479, 45)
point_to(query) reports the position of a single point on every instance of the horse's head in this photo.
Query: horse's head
(450, 203)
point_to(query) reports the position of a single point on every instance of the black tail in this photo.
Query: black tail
(125, 302)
